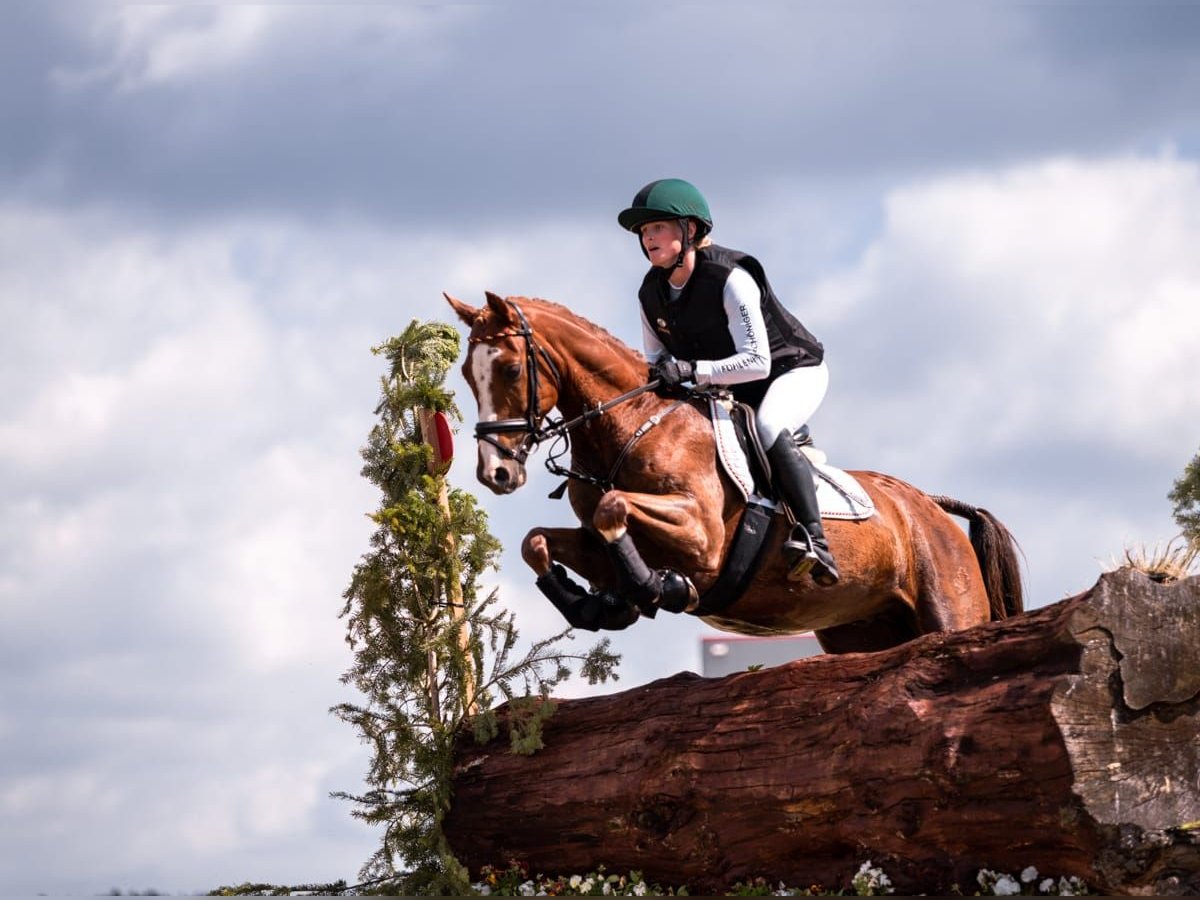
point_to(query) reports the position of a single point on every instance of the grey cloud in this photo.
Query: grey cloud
(32, 40)
(530, 109)
(795, 119)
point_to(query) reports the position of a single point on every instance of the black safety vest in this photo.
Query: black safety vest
(695, 325)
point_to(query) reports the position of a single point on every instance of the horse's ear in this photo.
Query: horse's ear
(500, 307)
(465, 311)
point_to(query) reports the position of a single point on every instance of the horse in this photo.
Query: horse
(658, 514)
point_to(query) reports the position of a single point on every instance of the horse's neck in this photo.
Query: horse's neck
(606, 438)
(595, 368)
(595, 376)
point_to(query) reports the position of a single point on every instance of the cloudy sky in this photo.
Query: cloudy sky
(988, 212)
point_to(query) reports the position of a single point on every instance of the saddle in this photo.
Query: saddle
(744, 460)
(742, 456)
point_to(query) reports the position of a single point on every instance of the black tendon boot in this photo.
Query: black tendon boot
(650, 589)
(806, 549)
(593, 610)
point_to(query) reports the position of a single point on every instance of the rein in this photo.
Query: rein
(535, 434)
(605, 484)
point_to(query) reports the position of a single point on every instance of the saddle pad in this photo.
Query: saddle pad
(839, 495)
(729, 449)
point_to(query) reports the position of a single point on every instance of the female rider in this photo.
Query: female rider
(710, 317)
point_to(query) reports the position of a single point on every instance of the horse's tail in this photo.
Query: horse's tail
(996, 549)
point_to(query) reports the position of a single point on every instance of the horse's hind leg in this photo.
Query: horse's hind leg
(882, 632)
(951, 595)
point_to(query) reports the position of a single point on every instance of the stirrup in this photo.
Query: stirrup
(801, 567)
(824, 573)
(808, 559)
(799, 551)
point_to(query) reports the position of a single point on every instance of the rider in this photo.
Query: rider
(710, 317)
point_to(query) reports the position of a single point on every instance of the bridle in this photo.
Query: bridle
(528, 426)
(535, 434)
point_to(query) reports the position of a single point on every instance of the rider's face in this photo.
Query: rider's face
(663, 241)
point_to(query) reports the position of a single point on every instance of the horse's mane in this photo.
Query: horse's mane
(596, 331)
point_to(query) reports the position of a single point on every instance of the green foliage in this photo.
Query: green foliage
(1186, 498)
(431, 656)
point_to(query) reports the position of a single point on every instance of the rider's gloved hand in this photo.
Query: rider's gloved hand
(673, 371)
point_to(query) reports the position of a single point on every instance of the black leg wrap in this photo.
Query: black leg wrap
(650, 589)
(637, 579)
(678, 593)
(589, 610)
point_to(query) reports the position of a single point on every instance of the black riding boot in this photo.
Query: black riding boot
(806, 548)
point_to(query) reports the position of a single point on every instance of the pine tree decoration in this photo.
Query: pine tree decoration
(431, 657)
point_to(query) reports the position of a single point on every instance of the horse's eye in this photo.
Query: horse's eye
(512, 371)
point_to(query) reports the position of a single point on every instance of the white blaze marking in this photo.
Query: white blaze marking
(481, 367)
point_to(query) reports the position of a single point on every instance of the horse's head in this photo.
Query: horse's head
(515, 384)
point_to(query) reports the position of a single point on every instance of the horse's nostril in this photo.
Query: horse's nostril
(501, 476)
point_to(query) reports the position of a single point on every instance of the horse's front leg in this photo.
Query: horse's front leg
(579, 549)
(544, 549)
(685, 534)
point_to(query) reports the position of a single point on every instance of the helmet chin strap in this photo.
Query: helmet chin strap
(685, 244)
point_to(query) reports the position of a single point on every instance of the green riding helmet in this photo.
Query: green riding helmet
(667, 198)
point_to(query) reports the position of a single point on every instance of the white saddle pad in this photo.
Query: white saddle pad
(839, 495)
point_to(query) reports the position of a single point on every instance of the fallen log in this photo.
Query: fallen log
(1067, 739)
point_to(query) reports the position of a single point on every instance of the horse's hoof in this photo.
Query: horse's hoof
(536, 552)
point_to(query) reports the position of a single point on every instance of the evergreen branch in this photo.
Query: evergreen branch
(427, 658)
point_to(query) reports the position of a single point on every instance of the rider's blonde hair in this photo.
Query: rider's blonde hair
(705, 241)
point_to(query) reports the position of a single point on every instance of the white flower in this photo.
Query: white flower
(1071, 887)
(607, 889)
(639, 889)
(586, 886)
(575, 881)
(527, 889)
(871, 881)
(1046, 886)
(1006, 886)
(1029, 876)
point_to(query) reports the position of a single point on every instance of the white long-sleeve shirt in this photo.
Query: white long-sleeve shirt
(751, 359)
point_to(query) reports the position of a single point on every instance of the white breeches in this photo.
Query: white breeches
(791, 400)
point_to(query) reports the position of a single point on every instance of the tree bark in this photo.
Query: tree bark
(1065, 739)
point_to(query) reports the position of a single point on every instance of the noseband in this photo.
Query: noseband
(528, 426)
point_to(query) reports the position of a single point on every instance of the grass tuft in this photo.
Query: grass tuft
(1176, 561)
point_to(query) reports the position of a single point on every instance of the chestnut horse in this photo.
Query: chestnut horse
(644, 465)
